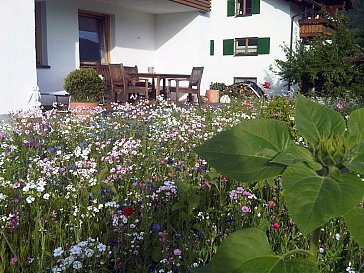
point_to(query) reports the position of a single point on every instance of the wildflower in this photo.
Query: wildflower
(89, 252)
(276, 225)
(30, 199)
(239, 190)
(2, 196)
(339, 107)
(245, 209)
(156, 227)
(337, 236)
(14, 220)
(13, 261)
(271, 204)
(46, 196)
(57, 252)
(128, 212)
(177, 252)
(101, 247)
(77, 265)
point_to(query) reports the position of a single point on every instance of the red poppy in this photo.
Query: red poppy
(128, 212)
(246, 104)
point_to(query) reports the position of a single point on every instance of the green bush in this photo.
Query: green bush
(84, 85)
(217, 86)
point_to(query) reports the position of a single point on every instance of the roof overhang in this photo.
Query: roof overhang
(347, 4)
(162, 6)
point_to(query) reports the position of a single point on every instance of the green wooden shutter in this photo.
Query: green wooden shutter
(255, 6)
(230, 7)
(263, 45)
(228, 47)
(212, 47)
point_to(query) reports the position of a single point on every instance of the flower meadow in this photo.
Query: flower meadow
(122, 191)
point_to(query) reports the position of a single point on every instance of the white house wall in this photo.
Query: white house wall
(17, 73)
(132, 39)
(182, 42)
(273, 21)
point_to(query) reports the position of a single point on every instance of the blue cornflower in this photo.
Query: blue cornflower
(156, 227)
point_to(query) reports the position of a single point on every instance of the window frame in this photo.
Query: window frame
(244, 3)
(106, 31)
(40, 30)
(246, 47)
(244, 79)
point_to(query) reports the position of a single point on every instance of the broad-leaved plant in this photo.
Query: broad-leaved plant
(321, 181)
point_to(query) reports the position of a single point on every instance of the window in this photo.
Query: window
(245, 79)
(40, 34)
(246, 46)
(212, 47)
(243, 7)
(250, 46)
(94, 38)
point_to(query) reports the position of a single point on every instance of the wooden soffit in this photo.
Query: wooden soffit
(347, 4)
(203, 5)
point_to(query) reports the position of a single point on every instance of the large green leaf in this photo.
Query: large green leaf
(354, 220)
(277, 265)
(316, 122)
(296, 154)
(313, 200)
(244, 152)
(356, 164)
(355, 138)
(240, 247)
(248, 251)
(355, 127)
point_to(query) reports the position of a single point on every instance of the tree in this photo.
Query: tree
(325, 66)
(356, 16)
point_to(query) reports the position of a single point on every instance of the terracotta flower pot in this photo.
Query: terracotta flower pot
(82, 108)
(213, 96)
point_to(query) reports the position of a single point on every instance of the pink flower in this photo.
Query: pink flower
(177, 252)
(276, 225)
(339, 107)
(272, 203)
(13, 261)
(245, 209)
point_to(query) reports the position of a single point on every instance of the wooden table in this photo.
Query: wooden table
(158, 77)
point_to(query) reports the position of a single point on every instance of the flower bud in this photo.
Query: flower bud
(332, 151)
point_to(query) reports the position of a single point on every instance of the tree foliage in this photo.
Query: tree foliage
(324, 66)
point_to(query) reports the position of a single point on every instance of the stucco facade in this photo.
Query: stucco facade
(172, 42)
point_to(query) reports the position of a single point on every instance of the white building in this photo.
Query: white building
(42, 41)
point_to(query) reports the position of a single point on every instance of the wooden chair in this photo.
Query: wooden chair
(103, 69)
(194, 82)
(120, 83)
(135, 80)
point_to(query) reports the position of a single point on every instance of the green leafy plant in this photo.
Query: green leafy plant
(84, 85)
(321, 181)
(217, 86)
(325, 66)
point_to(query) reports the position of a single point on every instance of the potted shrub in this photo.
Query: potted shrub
(213, 94)
(85, 87)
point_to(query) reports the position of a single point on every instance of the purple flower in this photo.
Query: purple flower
(177, 252)
(13, 261)
(14, 220)
(245, 209)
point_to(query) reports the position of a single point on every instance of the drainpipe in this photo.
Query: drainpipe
(314, 4)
